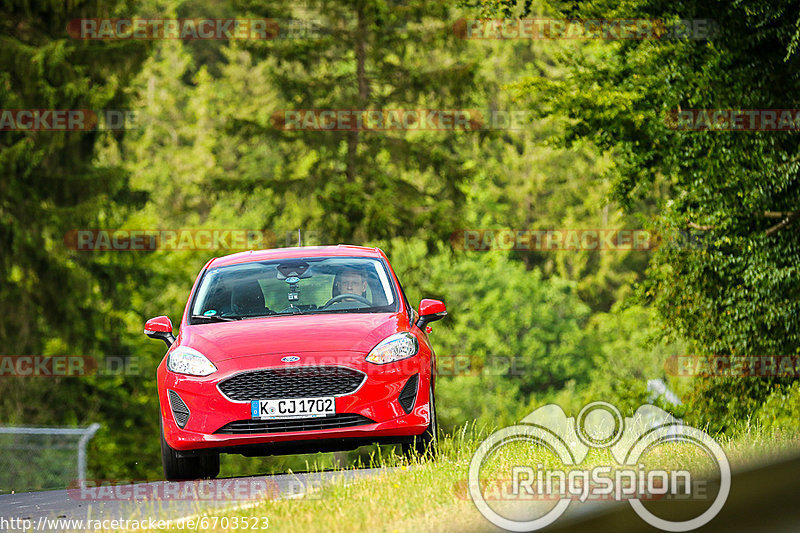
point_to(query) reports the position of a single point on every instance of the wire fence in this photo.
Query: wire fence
(40, 458)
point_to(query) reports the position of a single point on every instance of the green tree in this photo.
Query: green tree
(54, 300)
(370, 55)
(523, 336)
(739, 292)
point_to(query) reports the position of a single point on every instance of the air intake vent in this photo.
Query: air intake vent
(409, 393)
(299, 382)
(179, 409)
(341, 420)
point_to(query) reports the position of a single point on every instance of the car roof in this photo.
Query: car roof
(341, 250)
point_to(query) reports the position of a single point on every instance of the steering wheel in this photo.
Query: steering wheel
(341, 297)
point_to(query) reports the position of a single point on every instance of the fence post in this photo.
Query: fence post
(90, 431)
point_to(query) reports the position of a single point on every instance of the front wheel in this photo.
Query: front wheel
(184, 468)
(424, 445)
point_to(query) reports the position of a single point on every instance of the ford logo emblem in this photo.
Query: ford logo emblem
(290, 359)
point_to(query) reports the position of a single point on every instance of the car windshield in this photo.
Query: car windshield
(294, 287)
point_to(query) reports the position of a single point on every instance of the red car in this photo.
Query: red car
(294, 350)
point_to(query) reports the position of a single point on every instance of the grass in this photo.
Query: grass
(431, 495)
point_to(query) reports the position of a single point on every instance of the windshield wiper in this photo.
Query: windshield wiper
(216, 318)
(335, 311)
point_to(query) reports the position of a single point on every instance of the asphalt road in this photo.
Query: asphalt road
(763, 498)
(158, 500)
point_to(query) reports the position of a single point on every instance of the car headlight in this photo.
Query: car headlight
(185, 360)
(394, 348)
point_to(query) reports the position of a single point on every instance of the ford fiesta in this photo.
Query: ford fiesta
(294, 350)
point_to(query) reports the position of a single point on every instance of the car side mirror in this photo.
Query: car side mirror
(430, 311)
(160, 327)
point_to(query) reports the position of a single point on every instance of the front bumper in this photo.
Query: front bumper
(376, 399)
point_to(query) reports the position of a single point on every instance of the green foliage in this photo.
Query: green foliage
(599, 154)
(50, 183)
(371, 55)
(54, 301)
(782, 408)
(523, 335)
(739, 292)
(629, 356)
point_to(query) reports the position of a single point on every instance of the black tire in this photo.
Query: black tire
(424, 445)
(185, 468)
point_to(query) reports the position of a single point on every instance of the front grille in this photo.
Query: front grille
(299, 382)
(179, 409)
(409, 393)
(341, 420)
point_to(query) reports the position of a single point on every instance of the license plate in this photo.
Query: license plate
(293, 408)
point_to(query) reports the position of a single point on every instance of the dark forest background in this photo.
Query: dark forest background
(596, 153)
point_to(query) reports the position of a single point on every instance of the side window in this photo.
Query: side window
(412, 314)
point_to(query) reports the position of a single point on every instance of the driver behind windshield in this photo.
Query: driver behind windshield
(349, 281)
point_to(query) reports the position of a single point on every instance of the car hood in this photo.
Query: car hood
(291, 334)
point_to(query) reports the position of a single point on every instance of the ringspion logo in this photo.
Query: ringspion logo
(599, 425)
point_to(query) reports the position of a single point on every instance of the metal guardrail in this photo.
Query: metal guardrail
(762, 498)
